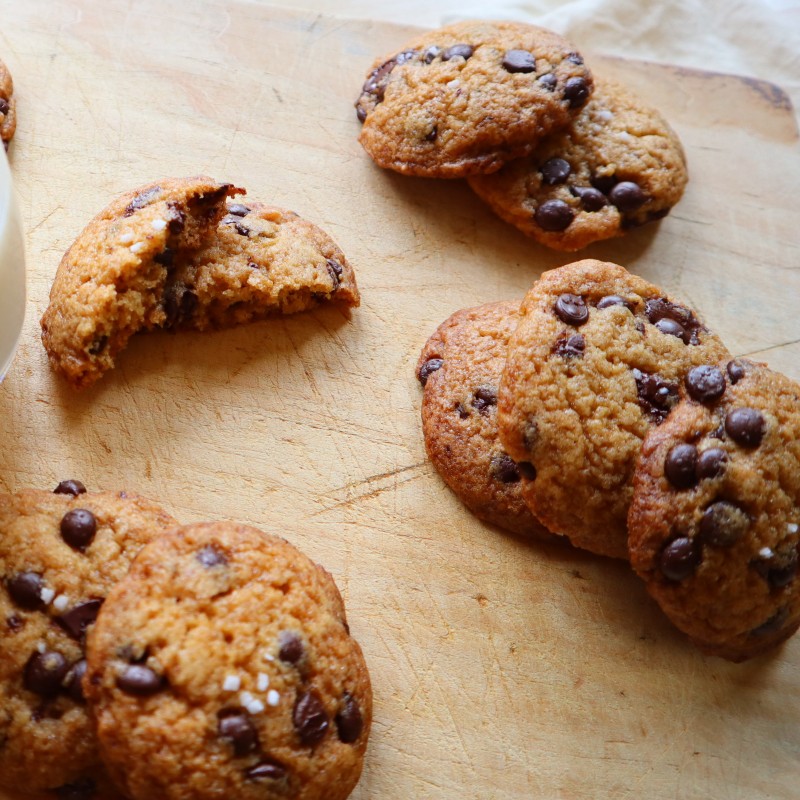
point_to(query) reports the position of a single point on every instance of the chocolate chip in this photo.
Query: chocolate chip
(74, 681)
(4, 106)
(504, 469)
(680, 464)
(139, 680)
(335, 271)
(349, 722)
(627, 196)
(575, 58)
(555, 170)
(71, 487)
(78, 528)
(79, 618)
(239, 227)
(238, 210)
(430, 54)
(723, 524)
(572, 309)
(375, 85)
(679, 559)
(462, 50)
(82, 789)
(711, 463)
(614, 300)
(431, 135)
(141, 200)
(527, 470)
(44, 673)
(553, 215)
(659, 308)
(462, 411)
(237, 727)
(15, 623)
(179, 303)
(211, 556)
(746, 426)
(603, 183)
(657, 397)
(779, 569)
(773, 624)
(266, 769)
(431, 365)
(576, 92)
(484, 398)
(705, 384)
(166, 257)
(519, 61)
(672, 328)
(176, 217)
(310, 718)
(592, 199)
(735, 371)
(570, 346)
(361, 112)
(25, 589)
(291, 647)
(549, 81)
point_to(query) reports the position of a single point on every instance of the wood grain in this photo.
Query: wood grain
(501, 669)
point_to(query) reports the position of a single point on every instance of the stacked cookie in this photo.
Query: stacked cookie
(567, 157)
(142, 659)
(619, 420)
(178, 255)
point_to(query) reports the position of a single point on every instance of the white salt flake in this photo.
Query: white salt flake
(255, 707)
(61, 602)
(273, 698)
(245, 698)
(41, 647)
(262, 682)
(232, 683)
(137, 248)
(126, 237)
(792, 527)
(47, 594)
(605, 115)
(159, 224)
(268, 657)
(766, 552)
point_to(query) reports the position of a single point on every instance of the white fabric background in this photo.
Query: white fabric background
(755, 38)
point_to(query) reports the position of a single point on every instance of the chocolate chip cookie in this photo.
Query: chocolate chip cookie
(460, 368)
(8, 106)
(262, 261)
(716, 510)
(598, 359)
(114, 280)
(466, 98)
(617, 166)
(60, 553)
(222, 666)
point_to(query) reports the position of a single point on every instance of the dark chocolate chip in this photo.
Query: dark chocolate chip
(78, 528)
(166, 257)
(239, 227)
(773, 624)
(349, 722)
(15, 623)
(679, 559)
(291, 647)
(504, 469)
(176, 218)
(570, 346)
(74, 681)
(431, 135)
(614, 300)
(627, 196)
(375, 85)
(361, 112)
(430, 54)
(576, 92)
(71, 486)
(519, 61)
(723, 524)
(549, 81)
(211, 556)
(462, 411)
(335, 271)
(705, 384)
(572, 309)
(484, 398)
(25, 589)
(554, 171)
(98, 345)
(592, 199)
(139, 680)
(575, 58)
(735, 371)
(82, 789)
(431, 365)
(680, 465)
(310, 718)
(141, 200)
(659, 308)
(180, 303)
(672, 328)
(603, 183)
(44, 673)
(237, 727)
(711, 463)
(238, 210)
(779, 569)
(527, 470)
(746, 426)
(79, 618)
(553, 215)
(657, 397)
(266, 769)
(462, 50)
(4, 106)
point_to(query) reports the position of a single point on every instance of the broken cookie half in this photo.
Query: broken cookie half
(178, 255)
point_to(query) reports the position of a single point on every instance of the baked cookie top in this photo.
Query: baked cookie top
(466, 98)
(617, 165)
(8, 106)
(716, 510)
(597, 360)
(459, 369)
(222, 666)
(60, 554)
(262, 260)
(113, 280)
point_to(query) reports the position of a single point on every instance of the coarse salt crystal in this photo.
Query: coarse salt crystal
(273, 698)
(605, 114)
(268, 657)
(765, 552)
(41, 647)
(255, 707)
(47, 594)
(159, 224)
(126, 238)
(137, 248)
(232, 683)
(245, 698)
(792, 527)
(262, 682)
(61, 602)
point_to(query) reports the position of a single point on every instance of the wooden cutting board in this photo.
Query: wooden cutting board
(501, 668)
